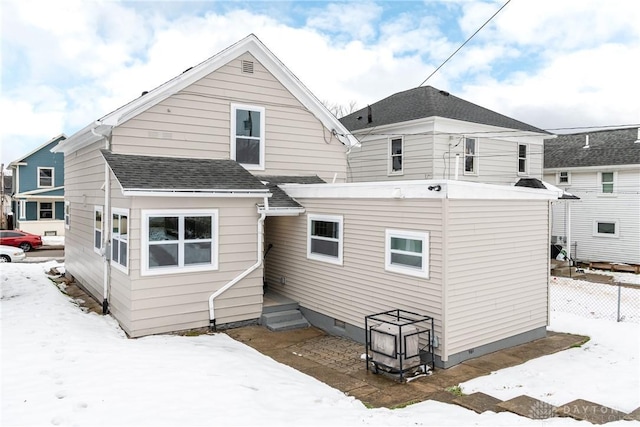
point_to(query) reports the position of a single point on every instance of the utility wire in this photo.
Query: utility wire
(465, 42)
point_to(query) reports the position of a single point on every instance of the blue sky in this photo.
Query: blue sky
(555, 64)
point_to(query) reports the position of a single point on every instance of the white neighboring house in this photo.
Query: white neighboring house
(603, 169)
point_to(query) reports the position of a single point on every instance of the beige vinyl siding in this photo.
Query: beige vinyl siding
(487, 298)
(179, 301)
(370, 161)
(195, 122)
(361, 286)
(84, 177)
(497, 161)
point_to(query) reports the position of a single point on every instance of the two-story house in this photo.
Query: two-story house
(426, 133)
(603, 169)
(38, 190)
(173, 196)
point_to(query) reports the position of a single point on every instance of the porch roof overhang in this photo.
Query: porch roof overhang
(153, 176)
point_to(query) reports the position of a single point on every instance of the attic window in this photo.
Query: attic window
(247, 67)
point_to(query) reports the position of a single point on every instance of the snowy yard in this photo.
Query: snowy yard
(61, 366)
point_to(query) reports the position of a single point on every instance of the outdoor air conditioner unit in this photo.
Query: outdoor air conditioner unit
(394, 346)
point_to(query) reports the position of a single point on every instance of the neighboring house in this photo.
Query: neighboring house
(603, 169)
(38, 190)
(172, 196)
(426, 133)
(6, 216)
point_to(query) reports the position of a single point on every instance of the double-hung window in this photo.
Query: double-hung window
(522, 159)
(45, 177)
(470, 156)
(120, 238)
(407, 252)
(45, 210)
(97, 228)
(396, 148)
(176, 241)
(563, 178)
(247, 136)
(325, 238)
(607, 181)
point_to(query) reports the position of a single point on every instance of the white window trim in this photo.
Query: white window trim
(320, 257)
(526, 159)
(144, 248)
(23, 210)
(600, 182)
(232, 132)
(121, 212)
(476, 171)
(53, 177)
(67, 214)
(568, 178)
(607, 235)
(390, 170)
(413, 235)
(97, 246)
(53, 212)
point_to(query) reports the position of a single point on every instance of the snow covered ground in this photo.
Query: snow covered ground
(62, 366)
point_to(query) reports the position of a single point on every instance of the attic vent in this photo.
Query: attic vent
(247, 67)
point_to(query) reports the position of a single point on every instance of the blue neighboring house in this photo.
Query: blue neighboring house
(38, 184)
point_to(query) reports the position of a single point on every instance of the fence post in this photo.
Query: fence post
(619, 298)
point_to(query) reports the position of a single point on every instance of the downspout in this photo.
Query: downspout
(106, 216)
(212, 317)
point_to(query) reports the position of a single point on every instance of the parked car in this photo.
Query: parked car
(11, 254)
(21, 239)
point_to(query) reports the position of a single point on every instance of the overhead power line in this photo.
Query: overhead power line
(465, 42)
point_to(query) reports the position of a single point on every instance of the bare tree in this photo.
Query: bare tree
(340, 110)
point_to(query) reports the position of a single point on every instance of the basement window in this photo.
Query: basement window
(605, 228)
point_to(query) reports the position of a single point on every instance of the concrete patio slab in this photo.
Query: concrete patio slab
(479, 402)
(529, 407)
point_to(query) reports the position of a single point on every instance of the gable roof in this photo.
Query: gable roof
(58, 139)
(152, 174)
(94, 131)
(612, 147)
(427, 101)
(280, 199)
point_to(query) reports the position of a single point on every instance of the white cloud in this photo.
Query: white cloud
(67, 63)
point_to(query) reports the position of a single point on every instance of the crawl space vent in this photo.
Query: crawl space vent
(247, 67)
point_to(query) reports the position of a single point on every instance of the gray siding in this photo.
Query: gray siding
(84, 177)
(361, 286)
(196, 123)
(173, 302)
(497, 271)
(622, 207)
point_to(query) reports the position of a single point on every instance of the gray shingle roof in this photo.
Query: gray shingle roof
(170, 173)
(280, 199)
(606, 148)
(427, 101)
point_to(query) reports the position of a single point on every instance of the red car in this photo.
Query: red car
(22, 239)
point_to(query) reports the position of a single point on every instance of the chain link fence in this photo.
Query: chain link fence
(617, 302)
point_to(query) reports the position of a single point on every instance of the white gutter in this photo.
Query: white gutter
(212, 316)
(191, 193)
(106, 231)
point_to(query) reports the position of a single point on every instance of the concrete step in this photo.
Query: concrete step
(589, 411)
(284, 320)
(280, 316)
(479, 402)
(283, 306)
(529, 407)
(633, 415)
(288, 325)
